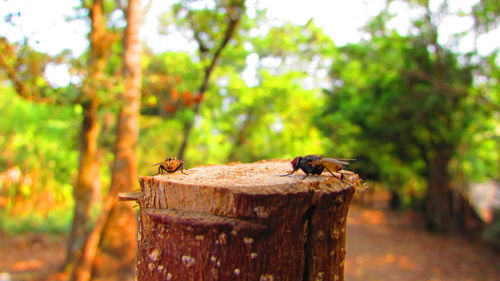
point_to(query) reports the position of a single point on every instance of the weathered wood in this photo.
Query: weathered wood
(241, 222)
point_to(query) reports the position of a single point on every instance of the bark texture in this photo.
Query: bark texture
(117, 248)
(87, 181)
(241, 222)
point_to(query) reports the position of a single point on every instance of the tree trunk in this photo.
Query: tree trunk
(241, 222)
(88, 171)
(447, 209)
(86, 184)
(116, 255)
(439, 201)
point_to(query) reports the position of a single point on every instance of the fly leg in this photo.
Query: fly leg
(333, 174)
(288, 174)
(182, 168)
(161, 169)
(341, 177)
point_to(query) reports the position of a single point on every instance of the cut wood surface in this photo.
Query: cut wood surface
(242, 222)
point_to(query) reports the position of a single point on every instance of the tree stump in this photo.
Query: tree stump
(241, 222)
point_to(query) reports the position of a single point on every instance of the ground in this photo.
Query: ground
(384, 245)
(381, 245)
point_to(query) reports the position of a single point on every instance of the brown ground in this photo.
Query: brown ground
(382, 245)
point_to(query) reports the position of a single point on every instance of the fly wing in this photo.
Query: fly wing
(332, 164)
(157, 164)
(331, 161)
(312, 158)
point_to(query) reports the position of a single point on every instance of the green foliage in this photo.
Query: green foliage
(57, 221)
(486, 14)
(394, 102)
(208, 21)
(158, 139)
(170, 81)
(399, 102)
(239, 122)
(271, 120)
(293, 40)
(40, 141)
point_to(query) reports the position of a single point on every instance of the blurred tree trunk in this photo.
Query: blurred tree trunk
(25, 84)
(87, 180)
(446, 208)
(439, 201)
(115, 258)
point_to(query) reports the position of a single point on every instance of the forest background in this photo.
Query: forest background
(416, 105)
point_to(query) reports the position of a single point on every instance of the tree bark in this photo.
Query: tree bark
(241, 222)
(86, 184)
(88, 170)
(116, 255)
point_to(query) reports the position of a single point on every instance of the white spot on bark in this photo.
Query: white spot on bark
(188, 261)
(253, 255)
(155, 255)
(248, 240)
(266, 277)
(237, 271)
(261, 212)
(222, 239)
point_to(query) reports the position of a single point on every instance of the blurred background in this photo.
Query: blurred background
(409, 88)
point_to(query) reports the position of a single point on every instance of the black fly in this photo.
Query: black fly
(315, 164)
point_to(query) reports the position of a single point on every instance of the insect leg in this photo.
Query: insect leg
(163, 169)
(305, 176)
(182, 168)
(330, 172)
(342, 178)
(288, 174)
